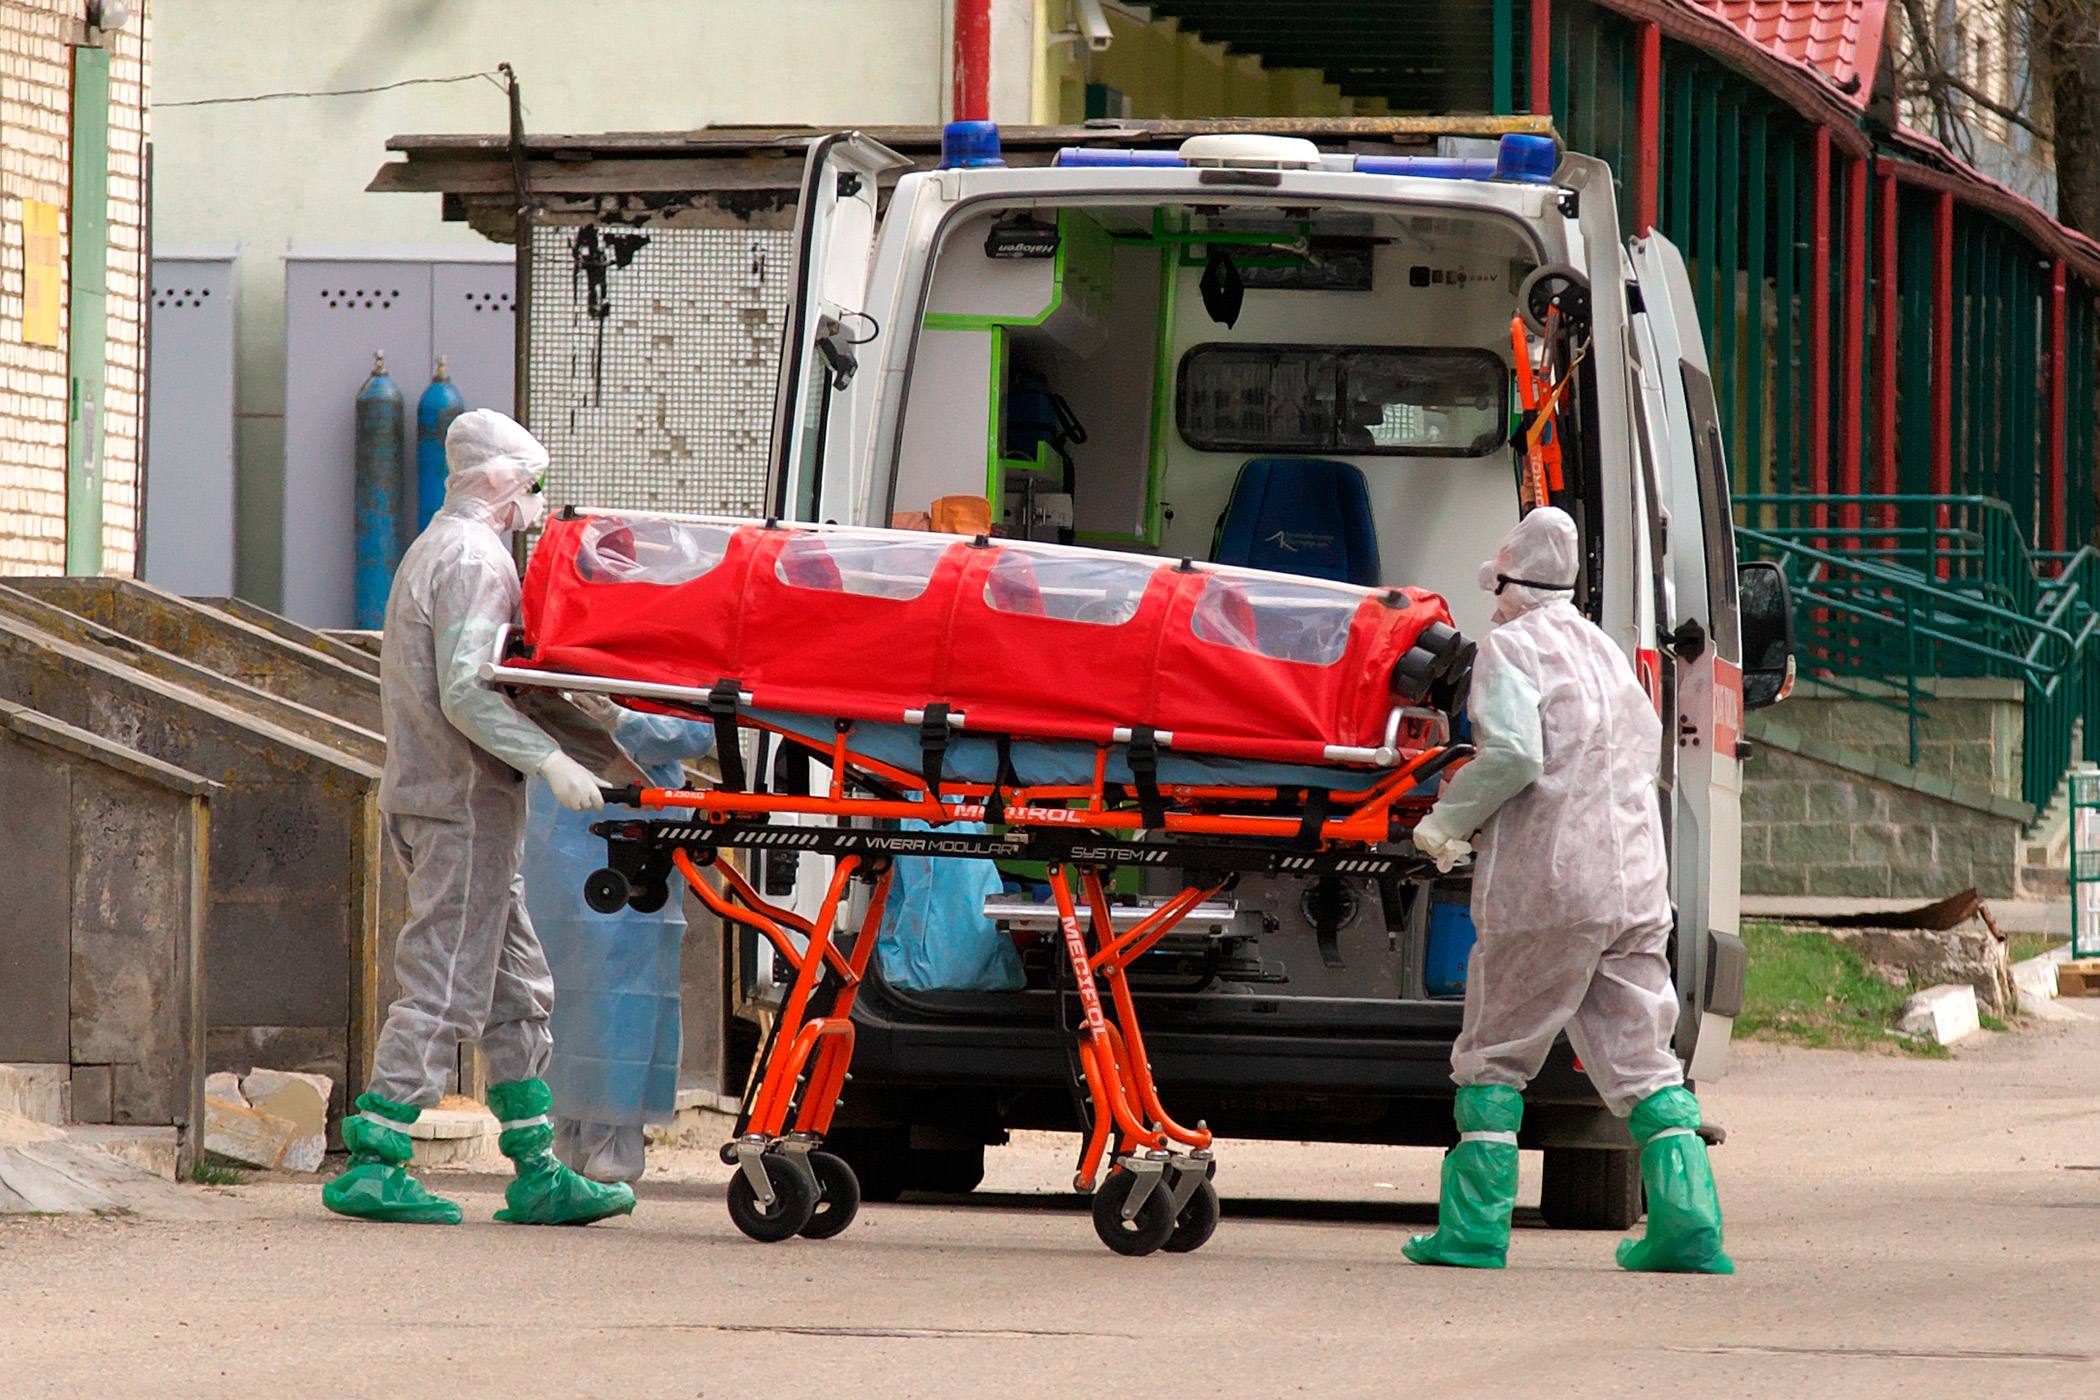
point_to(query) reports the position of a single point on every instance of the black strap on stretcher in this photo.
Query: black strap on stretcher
(933, 746)
(1143, 752)
(722, 701)
(1003, 777)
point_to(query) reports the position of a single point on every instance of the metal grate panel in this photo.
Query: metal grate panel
(654, 356)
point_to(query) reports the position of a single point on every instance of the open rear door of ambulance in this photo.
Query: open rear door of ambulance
(829, 332)
(1700, 642)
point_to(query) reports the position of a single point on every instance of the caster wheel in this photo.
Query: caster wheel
(838, 1197)
(1152, 1226)
(1197, 1222)
(606, 891)
(794, 1199)
(649, 894)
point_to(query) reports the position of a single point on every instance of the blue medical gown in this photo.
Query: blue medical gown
(616, 976)
(934, 934)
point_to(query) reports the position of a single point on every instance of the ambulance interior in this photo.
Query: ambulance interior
(1324, 391)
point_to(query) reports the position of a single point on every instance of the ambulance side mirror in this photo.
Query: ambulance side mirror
(1766, 606)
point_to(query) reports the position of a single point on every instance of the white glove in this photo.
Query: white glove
(574, 786)
(596, 708)
(1439, 845)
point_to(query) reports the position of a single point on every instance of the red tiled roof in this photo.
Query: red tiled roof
(1840, 39)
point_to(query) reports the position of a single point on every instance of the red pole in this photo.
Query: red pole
(1943, 360)
(1647, 127)
(1855, 360)
(972, 99)
(1885, 346)
(1541, 60)
(1819, 330)
(2054, 463)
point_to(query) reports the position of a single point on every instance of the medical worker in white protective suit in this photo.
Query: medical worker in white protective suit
(1571, 905)
(469, 964)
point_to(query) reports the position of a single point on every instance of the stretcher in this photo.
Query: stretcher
(1094, 711)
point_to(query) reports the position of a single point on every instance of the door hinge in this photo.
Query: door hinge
(1687, 642)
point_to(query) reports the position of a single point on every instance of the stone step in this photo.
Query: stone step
(37, 1092)
(151, 1150)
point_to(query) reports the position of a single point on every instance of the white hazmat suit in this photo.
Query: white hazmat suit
(1571, 887)
(469, 964)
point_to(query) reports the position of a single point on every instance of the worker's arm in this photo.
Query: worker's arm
(469, 605)
(1509, 742)
(653, 739)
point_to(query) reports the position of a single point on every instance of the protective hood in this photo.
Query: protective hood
(492, 467)
(1534, 565)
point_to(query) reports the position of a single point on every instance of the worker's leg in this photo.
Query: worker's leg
(1519, 992)
(601, 1151)
(545, 1192)
(1622, 1034)
(447, 935)
(518, 1039)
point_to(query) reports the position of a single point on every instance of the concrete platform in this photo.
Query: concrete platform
(151, 1150)
(2012, 915)
(37, 1092)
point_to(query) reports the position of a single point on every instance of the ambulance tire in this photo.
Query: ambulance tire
(1588, 1188)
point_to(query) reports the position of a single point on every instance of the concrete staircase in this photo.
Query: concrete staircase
(52, 1166)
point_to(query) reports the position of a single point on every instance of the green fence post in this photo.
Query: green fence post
(87, 318)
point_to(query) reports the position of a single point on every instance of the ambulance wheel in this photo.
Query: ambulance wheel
(838, 1197)
(606, 891)
(1197, 1222)
(649, 894)
(1152, 1226)
(1587, 1188)
(794, 1199)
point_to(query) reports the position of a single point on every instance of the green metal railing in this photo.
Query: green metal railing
(1890, 591)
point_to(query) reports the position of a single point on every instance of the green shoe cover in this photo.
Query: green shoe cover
(1480, 1183)
(546, 1192)
(375, 1187)
(1684, 1214)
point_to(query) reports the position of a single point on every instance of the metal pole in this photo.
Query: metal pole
(1504, 21)
(1540, 67)
(972, 98)
(1819, 331)
(1850, 436)
(1648, 126)
(2053, 463)
(1885, 343)
(1942, 368)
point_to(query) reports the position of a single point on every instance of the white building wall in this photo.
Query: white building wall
(271, 172)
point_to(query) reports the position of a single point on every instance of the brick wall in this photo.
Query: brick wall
(35, 117)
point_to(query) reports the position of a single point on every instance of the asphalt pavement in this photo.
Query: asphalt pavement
(1901, 1227)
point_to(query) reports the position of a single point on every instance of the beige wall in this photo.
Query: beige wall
(35, 163)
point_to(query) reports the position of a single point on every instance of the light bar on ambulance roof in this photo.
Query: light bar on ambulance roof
(1529, 159)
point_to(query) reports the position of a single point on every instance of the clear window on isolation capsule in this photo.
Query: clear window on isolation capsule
(1362, 401)
(1284, 621)
(1074, 588)
(618, 549)
(897, 569)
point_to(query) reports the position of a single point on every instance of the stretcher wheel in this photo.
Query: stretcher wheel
(649, 894)
(1151, 1228)
(606, 891)
(794, 1199)
(1197, 1222)
(838, 1197)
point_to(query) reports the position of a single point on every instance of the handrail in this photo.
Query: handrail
(1895, 590)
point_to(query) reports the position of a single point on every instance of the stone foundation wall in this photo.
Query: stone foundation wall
(1832, 806)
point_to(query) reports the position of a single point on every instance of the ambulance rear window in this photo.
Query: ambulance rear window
(1357, 400)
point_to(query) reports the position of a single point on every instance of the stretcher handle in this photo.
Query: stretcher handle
(1450, 754)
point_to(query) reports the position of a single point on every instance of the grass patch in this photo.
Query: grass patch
(2019, 947)
(217, 1174)
(1803, 988)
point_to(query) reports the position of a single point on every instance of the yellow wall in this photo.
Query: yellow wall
(1167, 73)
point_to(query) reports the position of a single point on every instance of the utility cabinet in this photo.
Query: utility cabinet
(343, 305)
(188, 543)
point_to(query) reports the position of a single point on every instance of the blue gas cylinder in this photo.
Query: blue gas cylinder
(435, 411)
(1450, 945)
(380, 424)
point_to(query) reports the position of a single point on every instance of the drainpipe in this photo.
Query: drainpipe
(1855, 360)
(1648, 126)
(1540, 65)
(2054, 463)
(1819, 330)
(972, 97)
(1942, 361)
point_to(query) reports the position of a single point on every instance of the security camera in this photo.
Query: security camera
(108, 15)
(1094, 24)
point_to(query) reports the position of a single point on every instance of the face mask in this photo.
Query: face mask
(525, 512)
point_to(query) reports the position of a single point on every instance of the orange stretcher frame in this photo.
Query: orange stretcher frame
(804, 1064)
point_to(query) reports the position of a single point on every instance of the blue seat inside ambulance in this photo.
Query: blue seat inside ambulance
(1300, 515)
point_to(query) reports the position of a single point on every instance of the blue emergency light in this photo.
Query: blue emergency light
(1529, 159)
(970, 146)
